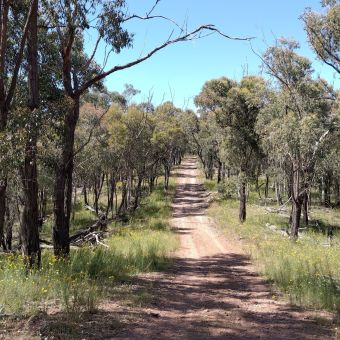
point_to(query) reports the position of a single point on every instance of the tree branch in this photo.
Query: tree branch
(195, 34)
(19, 55)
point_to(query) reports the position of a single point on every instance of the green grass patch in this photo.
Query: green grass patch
(142, 244)
(307, 270)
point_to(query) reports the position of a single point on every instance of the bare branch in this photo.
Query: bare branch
(195, 34)
(88, 140)
(87, 64)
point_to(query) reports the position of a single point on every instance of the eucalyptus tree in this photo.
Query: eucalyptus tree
(211, 98)
(323, 31)
(29, 232)
(298, 130)
(238, 116)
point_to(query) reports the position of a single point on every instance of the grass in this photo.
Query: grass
(307, 270)
(77, 285)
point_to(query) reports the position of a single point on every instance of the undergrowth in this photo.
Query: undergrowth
(78, 284)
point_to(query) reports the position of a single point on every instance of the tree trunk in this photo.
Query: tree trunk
(305, 208)
(138, 192)
(297, 200)
(219, 172)
(74, 203)
(98, 186)
(166, 176)
(278, 193)
(123, 204)
(63, 185)
(295, 219)
(327, 186)
(243, 199)
(151, 183)
(322, 191)
(3, 186)
(30, 245)
(9, 228)
(29, 232)
(86, 202)
(223, 171)
(337, 191)
(266, 187)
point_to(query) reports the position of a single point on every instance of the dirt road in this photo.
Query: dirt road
(212, 291)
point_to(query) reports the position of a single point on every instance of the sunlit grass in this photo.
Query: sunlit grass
(307, 270)
(142, 244)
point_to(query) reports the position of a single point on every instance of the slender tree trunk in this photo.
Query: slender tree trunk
(98, 187)
(243, 199)
(63, 185)
(322, 191)
(219, 172)
(305, 208)
(151, 183)
(30, 215)
(166, 176)
(3, 186)
(9, 228)
(297, 201)
(223, 171)
(86, 202)
(138, 192)
(74, 203)
(337, 191)
(4, 108)
(327, 186)
(295, 222)
(123, 204)
(266, 187)
(278, 193)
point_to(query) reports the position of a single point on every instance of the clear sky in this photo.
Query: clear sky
(178, 72)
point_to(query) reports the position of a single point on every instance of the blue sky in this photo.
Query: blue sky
(178, 72)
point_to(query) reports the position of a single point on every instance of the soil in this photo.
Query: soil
(212, 291)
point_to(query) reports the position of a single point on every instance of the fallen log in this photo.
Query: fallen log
(93, 233)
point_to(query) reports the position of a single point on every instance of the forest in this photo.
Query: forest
(89, 178)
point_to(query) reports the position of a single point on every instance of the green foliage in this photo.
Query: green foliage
(228, 188)
(323, 33)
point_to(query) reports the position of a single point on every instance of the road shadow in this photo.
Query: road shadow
(211, 305)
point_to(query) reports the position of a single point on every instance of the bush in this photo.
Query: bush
(228, 188)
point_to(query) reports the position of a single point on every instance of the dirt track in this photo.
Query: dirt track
(212, 291)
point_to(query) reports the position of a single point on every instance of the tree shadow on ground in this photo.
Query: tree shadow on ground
(220, 302)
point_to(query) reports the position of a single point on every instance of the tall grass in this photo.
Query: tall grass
(78, 284)
(308, 270)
